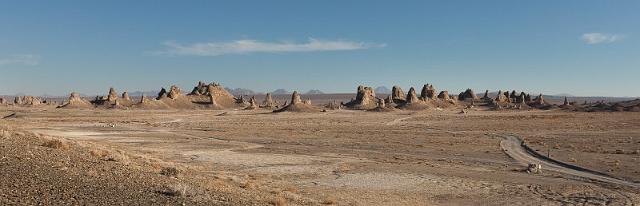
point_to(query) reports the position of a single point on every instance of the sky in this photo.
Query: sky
(578, 47)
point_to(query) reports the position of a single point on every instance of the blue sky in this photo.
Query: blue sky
(578, 47)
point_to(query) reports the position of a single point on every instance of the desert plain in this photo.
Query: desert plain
(209, 147)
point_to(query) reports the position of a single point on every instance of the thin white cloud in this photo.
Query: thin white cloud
(597, 38)
(254, 46)
(20, 59)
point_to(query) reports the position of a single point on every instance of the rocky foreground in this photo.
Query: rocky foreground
(36, 170)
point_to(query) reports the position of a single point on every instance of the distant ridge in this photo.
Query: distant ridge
(140, 93)
(280, 91)
(240, 91)
(382, 90)
(315, 91)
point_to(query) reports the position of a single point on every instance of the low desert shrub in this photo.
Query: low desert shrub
(169, 171)
(248, 185)
(55, 144)
(278, 201)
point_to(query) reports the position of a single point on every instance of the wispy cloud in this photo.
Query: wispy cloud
(20, 59)
(247, 46)
(597, 38)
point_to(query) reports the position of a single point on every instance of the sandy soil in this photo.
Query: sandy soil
(242, 157)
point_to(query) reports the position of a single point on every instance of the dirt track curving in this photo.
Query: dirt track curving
(513, 147)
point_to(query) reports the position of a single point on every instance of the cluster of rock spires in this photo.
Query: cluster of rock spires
(514, 100)
(203, 96)
(28, 101)
(429, 98)
(297, 105)
(365, 99)
(75, 101)
(214, 96)
(269, 103)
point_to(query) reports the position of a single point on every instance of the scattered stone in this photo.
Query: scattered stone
(534, 168)
(381, 106)
(333, 105)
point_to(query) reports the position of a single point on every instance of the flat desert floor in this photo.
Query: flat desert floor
(340, 157)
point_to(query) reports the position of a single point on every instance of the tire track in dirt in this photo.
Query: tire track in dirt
(398, 120)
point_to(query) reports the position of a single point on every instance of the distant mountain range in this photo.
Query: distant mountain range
(241, 91)
(314, 91)
(140, 93)
(280, 91)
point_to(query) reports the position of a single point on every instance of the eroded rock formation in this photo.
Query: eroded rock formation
(295, 98)
(486, 95)
(412, 98)
(428, 92)
(539, 100)
(500, 98)
(27, 101)
(174, 92)
(268, 102)
(467, 95)
(253, 104)
(75, 101)
(162, 94)
(125, 96)
(113, 95)
(365, 99)
(444, 95)
(397, 94)
(297, 105)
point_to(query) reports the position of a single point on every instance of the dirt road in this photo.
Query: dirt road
(513, 147)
